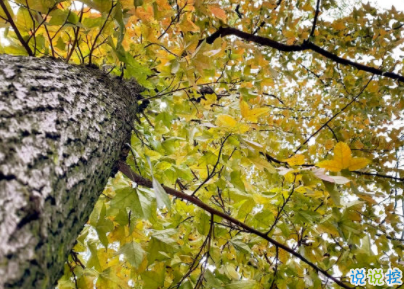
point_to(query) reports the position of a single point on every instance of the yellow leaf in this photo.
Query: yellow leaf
(296, 160)
(343, 160)
(225, 121)
(283, 256)
(329, 144)
(152, 154)
(218, 12)
(342, 155)
(358, 163)
(252, 114)
(242, 128)
(339, 25)
(261, 164)
(330, 165)
(210, 99)
(244, 108)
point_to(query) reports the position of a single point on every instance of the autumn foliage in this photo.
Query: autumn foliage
(283, 115)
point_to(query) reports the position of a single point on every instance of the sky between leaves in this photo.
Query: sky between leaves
(290, 143)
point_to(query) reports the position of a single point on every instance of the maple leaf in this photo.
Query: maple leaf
(252, 114)
(343, 160)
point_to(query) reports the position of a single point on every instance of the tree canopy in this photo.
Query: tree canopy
(275, 126)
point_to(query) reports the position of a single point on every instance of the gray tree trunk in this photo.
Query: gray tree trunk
(62, 128)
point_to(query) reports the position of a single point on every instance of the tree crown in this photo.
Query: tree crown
(278, 124)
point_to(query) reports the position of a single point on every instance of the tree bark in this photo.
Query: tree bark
(62, 128)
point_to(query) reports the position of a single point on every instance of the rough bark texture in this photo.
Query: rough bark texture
(61, 132)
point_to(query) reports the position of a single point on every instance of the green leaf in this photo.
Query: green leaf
(93, 261)
(204, 224)
(161, 241)
(163, 200)
(244, 284)
(61, 44)
(241, 246)
(154, 279)
(137, 3)
(335, 195)
(103, 227)
(58, 17)
(133, 253)
(128, 198)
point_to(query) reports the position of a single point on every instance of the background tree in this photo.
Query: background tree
(275, 126)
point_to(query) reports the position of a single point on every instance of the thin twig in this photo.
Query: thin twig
(212, 173)
(17, 32)
(315, 19)
(99, 33)
(278, 216)
(334, 116)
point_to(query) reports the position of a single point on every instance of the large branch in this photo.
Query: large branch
(62, 128)
(306, 45)
(127, 171)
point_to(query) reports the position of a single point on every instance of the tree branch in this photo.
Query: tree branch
(212, 173)
(306, 45)
(282, 208)
(128, 172)
(315, 19)
(99, 33)
(76, 36)
(334, 116)
(17, 32)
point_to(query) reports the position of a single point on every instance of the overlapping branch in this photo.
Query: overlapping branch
(306, 45)
(128, 172)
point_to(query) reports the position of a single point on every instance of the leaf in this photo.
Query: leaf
(128, 198)
(252, 114)
(133, 253)
(296, 160)
(163, 200)
(93, 261)
(225, 121)
(342, 154)
(243, 284)
(340, 180)
(162, 197)
(137, 3)
(343, 160)
(358, 163)
(104, 226)
(320, 173)
(330, 165)
(241, 246)
(204, 224)
(161, 241)
(154, 279)
(218, 12)
(335, 195)
(261, 164)
(211, 53)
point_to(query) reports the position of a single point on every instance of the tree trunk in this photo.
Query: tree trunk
(62, 128)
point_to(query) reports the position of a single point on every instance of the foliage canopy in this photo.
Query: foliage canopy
(275, 113)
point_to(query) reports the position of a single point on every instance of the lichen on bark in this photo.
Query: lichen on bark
(61, 132)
